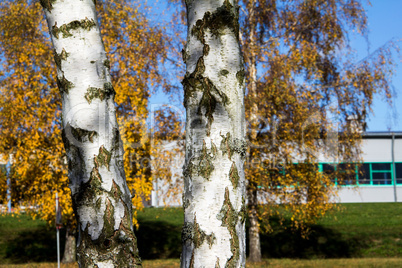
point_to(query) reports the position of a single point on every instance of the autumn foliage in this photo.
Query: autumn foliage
(308, 99)
(30, 102)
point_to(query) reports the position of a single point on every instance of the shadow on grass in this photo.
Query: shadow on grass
(158, 240)
(321, 243)
(38, 245)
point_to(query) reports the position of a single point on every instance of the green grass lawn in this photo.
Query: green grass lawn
(356, 231)
(377, 227)
(25, 240)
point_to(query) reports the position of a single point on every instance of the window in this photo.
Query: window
(381, 166)
(364, 174)
(398, 171)
(382, 178)
(329, 170)
(347, 173)
(381, 173)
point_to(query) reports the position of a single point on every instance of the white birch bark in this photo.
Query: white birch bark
(101, 198)
(214, 196)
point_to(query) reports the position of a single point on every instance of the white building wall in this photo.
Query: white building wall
(370, 194)
(374, 149)
(398, 150)
(377, 150)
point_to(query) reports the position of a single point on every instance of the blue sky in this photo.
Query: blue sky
(385, 24)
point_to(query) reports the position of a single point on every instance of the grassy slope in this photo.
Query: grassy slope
(378, 225)
(359, 230)
(23, 239)
(159, 234)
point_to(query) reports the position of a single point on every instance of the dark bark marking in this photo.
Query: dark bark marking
(65, 29)
(100, 93)
(205, 166)
(103, 158)
(192, 232)
(234, 175)
(83, 135)
(217, 263)
(230, 146)
(106, 63)
(240, 75)
(59, 57)
(47, 4)
(192, 260)
(229, 218)
(225, 16)
(225, 145)
(243, 210)
(224, 72)
(64, 85)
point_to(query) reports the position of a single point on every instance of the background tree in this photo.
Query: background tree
(214, 187)
(30, 111)
(31, 104)
(303, 87)
(168, 155)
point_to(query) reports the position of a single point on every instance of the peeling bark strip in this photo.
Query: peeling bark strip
(101, 198)
(215, 137)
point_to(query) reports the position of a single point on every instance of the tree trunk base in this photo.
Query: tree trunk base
(69, 255)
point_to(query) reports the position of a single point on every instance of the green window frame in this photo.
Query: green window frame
(379, 173)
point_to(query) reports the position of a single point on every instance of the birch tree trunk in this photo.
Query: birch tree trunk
(214, 195)
(69, 254)
(101, 198)
(254, 231)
